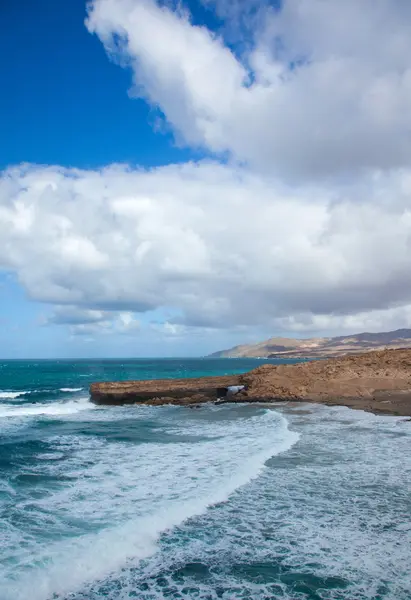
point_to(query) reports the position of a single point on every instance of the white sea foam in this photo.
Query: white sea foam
(141, 491)
(52, 409)
(71, 389)
(334, 512)
(10, 395)
(335, 506)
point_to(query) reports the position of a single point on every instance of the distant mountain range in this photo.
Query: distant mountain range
(279, 347)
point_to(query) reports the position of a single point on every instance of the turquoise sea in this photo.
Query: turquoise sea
(292, 502)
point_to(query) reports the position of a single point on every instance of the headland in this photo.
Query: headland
(378, 382)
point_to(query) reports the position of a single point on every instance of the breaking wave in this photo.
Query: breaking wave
(123, 496)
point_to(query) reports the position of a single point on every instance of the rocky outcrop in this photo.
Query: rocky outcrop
(163, 391)
(375, 381)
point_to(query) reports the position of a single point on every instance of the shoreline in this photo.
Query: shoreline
(393, 408)
(388, 408)
(378, 382)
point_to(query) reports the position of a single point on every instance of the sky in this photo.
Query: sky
(180, 177)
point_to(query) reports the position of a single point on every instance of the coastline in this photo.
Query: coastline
(395, 405)
(398, 406)
(378, 382)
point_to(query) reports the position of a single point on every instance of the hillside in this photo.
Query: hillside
(320, 347)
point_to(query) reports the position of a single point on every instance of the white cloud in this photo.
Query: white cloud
(220, 246)
(72, 315)
(376, 320)
(312, 234)
(324, 90)
(122, 323)
(86, 322)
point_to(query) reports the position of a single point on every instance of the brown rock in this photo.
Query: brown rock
(376, 381)
(162, 391)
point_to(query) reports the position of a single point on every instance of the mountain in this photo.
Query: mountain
(320, 347)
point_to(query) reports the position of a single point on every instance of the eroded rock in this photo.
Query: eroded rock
(163, 391)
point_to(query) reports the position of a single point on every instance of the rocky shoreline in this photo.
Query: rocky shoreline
(164, 391)
(378, 382)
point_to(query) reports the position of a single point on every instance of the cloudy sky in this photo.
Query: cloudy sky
(181, 177)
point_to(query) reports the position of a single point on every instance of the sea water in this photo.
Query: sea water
(295, 502)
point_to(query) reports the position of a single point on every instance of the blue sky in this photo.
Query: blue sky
(182, 177)
(65, 102)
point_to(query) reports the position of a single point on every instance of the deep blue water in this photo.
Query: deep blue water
(234, 501)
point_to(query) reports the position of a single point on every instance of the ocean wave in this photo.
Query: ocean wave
(328, 519)
(143, 493)
(11, 395)
(52, 409)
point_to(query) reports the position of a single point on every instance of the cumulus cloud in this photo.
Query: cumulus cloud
(324, 89)
(307, 228)
(93, 322)
(375, 320)
(72, 315)
(219, 245)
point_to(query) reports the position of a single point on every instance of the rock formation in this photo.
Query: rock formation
(375, 381)
(163, 391)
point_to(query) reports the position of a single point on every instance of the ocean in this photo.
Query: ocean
(252, 502)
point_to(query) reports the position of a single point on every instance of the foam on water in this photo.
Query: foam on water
(124, 503)
(51, 409)
(328, 520)
(121, 507)
(123, 496)
(29, 394)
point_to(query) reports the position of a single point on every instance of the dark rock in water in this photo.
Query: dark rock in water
(163, 391)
